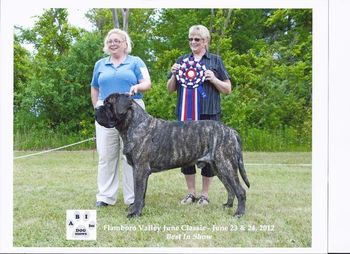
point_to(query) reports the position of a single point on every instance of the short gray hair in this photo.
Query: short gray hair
(202, 31)
(122, 33)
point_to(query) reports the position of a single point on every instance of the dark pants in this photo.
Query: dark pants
(206, 170)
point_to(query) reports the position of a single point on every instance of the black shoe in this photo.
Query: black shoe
(101, 203)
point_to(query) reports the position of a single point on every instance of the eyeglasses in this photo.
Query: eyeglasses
(114, 41)
(195, 39)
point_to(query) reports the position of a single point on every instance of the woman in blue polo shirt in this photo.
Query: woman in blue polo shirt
(122, 73)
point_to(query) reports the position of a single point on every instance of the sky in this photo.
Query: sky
(26, 18)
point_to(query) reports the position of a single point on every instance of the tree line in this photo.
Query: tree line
(267, 53)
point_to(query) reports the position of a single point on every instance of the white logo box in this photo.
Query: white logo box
(81, 224)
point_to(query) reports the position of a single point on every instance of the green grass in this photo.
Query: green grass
(45, 186)
(281, 140)
(253, 140)
(47, 139)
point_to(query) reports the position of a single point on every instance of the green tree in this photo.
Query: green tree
(140, 24)
(267, 53)
(42, 100)
(22, 71)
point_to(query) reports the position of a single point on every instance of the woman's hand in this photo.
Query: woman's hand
(174, 68)
(209, 75)
(134, 89)
(222, 86)
(142, 86)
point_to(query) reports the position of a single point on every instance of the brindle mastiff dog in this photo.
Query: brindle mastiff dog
(153, 145)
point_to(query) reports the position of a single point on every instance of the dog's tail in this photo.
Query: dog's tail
(240, 162)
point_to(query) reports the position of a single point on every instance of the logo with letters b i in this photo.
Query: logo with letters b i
(81, 224)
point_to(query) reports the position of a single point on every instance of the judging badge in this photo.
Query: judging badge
(191, 77)
(81, 225)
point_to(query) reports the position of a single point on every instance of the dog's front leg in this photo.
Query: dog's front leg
(140, 187)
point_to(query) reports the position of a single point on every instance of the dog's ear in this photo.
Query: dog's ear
(123, 104)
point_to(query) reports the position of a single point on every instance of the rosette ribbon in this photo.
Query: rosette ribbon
(191, 77)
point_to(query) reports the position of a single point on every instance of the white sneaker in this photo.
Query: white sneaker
(190, 198)
(203, 200)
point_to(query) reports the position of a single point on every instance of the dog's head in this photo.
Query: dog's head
(114, 110)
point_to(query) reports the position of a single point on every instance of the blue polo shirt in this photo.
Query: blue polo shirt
(109, 79)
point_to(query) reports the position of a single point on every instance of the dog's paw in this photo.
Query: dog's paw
(133, 214)
(130, 208)
(238, 214)
(227, 206)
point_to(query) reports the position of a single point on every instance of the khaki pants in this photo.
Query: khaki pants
(111, 159)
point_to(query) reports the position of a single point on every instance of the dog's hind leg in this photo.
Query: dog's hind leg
(224, 179)
(140, 188)
(240, 193)
(229, 177)
(241, 196)
(230, 192)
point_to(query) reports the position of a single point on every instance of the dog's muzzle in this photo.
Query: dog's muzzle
(102, 118)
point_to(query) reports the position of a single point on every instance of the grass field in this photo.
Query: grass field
(278, 210)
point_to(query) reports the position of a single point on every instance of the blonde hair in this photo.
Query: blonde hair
(202, 31)
(120, 32)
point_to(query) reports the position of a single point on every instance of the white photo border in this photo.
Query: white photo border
(319, 130)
